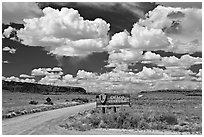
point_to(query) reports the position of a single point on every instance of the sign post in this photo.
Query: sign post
(114, 109)
(112, 100)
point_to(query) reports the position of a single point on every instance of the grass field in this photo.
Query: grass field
(153, 111)
(17, 101)
(172, 111)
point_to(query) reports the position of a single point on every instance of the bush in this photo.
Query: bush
(95, 120)
(49, 103)
(169, 119)
(81, 100)
(33, 102)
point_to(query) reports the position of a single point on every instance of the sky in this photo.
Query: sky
(103, 47)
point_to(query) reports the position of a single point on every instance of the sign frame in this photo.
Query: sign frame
(112, 100)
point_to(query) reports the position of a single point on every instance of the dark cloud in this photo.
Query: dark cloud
(182, 4)
(18, 11)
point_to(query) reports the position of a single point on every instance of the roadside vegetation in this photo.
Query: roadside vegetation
(17, 103)
(175, 112)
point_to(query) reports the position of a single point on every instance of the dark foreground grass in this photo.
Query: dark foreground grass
(176, 112)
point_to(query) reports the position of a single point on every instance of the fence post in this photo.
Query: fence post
(103, 110)
(114, 109)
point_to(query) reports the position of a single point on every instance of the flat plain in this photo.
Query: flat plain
(158, 111)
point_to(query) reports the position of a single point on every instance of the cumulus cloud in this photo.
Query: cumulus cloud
(148, 56)
(39, 72)
(185, 61)
(177, 73)
(16, 12)
(25, 76)
(7, 32)
(148, 73)
(69, 79)
(12, 78)
(5, 61)
(182, 26)
(199, 74)
(3, 78)
(10, 50)
(57, 69)
(165, 28)
(28, 80)
(47, 71)
(81, 74)
(125, 55)
(65, 33)
(141, 38)
(50, 79)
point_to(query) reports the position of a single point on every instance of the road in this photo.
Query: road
(46, 122)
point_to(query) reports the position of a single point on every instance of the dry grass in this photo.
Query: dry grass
(166, 111)
(19, 103)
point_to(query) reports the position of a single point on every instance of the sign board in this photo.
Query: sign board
(112, 100)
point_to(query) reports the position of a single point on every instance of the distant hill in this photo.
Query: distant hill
(188, 92)
(38, 88)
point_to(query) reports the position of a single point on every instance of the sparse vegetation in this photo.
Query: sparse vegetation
(33, 102)
(176, 112)
(24, 103)
(81, 100)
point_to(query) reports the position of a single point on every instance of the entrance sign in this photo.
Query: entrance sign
(112, 100)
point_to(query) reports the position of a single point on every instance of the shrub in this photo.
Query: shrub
(33, 102)
(81, 100)
(169, 119)
(49, 103)
(95, 121)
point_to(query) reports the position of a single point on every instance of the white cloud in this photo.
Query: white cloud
(16, 79)
(3, 78)
(151, 56)
(119, 41)
(57, 69)
(18, 11)
(65, 33)
(141, 38)
(165, 28)
(10, 50)
(81, 74)
(69, 79)
(148, 38)
(185, 61)
(39, 72)
(7, 32)
(5, 61)
(25, 76)
(47, 71)
(148, 73)
(199, 74)
(51, 79)
(182, 26)
(160, 85)
(177, 73)
(125, 55)
(12, 78)
(27, 80)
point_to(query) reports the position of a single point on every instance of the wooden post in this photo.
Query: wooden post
(103, 110)
(114, 109)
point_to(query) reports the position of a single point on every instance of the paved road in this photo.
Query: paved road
(41, 123)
